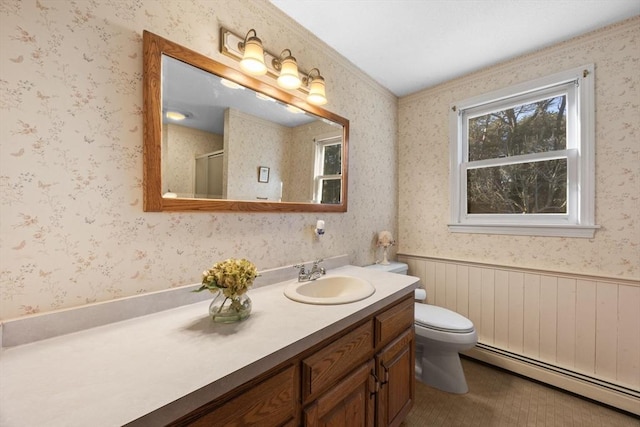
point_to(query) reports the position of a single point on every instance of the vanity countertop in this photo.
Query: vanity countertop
(164, 365)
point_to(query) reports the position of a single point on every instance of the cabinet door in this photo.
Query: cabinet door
(395, 366)
(350, 403)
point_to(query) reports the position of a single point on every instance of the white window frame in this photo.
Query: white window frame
(579, 221)
(320, 143)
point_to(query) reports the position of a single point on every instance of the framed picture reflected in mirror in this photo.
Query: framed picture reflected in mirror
(263, 174)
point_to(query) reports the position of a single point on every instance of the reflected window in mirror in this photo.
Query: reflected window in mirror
(327, 174)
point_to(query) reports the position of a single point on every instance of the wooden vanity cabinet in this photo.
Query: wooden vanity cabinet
(362, 376)
(382, 373)
(271, 400)
(395, 367)
(395, 362)
(322, 369)
(351, 402)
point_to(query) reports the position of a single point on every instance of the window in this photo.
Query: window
(327, 182)
(522, 159)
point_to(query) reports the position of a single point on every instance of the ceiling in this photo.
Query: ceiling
(409, 45)
(203, 98)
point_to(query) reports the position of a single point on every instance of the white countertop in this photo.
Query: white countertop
(167, 364)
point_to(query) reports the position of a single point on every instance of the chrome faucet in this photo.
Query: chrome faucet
(313, 274)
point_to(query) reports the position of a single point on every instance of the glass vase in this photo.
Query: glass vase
(229, 310)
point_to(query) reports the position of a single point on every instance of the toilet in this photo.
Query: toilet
(440, 335)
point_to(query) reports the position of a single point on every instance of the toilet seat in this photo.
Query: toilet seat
(441, 319)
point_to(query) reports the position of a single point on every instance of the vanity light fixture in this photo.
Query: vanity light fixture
(283, 68)
(253, 54)
(288, 67)
(317, 94)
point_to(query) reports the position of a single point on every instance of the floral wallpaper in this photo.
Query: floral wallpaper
(252, 143)
(72, 229)
(424, 162)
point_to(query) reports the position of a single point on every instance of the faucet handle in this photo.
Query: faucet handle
(300, 266)
(317, 268)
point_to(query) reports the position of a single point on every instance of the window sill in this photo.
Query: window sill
(581, 231)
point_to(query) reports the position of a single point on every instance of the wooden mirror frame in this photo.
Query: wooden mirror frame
(154, 47)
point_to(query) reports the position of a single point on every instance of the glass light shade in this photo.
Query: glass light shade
(253, 58)
(289, 78)
(317, 95)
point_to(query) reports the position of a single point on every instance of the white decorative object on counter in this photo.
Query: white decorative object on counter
(385, 239)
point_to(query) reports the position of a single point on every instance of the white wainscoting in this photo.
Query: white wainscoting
(577, 332)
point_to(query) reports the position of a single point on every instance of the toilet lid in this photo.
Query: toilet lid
(442, 319)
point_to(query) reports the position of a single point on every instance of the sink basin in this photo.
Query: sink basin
(330, 290)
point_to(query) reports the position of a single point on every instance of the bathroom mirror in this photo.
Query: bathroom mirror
(216, 139)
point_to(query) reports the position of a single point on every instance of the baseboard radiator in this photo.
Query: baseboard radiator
(574, 331)
(583, 385)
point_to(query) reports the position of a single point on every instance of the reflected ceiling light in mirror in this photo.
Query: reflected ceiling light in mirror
(176, 115)
(288, 67)
(317, 94)
(230, 84)
(294, 110)
(264, 97)
(253, 54)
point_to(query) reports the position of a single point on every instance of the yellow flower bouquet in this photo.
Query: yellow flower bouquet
(229, 280)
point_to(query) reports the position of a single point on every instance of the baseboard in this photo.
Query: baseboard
(607, 393)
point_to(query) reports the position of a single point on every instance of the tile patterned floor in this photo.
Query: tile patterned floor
(498, 398)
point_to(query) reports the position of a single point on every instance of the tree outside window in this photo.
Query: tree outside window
(328, 171)
(523, 188)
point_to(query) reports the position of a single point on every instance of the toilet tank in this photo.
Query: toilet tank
(399, 268)
(392, 267)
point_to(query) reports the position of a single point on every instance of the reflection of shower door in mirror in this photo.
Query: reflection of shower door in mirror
(208, 179)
